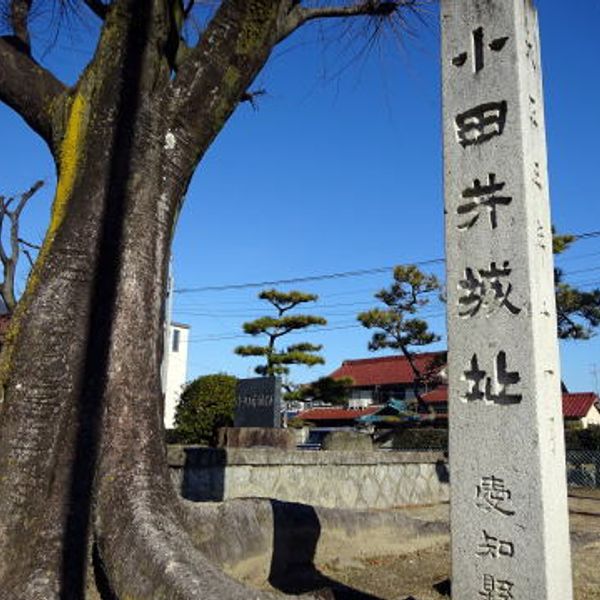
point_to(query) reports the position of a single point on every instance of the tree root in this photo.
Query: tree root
(146, 552)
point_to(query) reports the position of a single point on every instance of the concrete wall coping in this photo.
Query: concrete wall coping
(197, 456)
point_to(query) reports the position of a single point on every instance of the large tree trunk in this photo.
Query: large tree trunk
(82, 463)
(90, 324)
(82, 458)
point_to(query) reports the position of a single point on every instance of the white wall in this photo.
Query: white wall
(360, 398)
(176, 368)
(592, 418)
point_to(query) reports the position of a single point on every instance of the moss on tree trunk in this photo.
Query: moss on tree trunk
(82, 463)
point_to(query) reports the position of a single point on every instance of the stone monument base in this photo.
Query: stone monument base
(256, 437)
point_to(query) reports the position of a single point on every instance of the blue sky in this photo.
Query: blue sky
(339, 170)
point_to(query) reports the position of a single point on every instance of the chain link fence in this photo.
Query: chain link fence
(583, 468)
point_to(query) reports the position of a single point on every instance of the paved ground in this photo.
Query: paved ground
(423, 574)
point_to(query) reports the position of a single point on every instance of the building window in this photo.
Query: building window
(175, 347)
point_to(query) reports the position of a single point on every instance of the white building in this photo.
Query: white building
(174, 368)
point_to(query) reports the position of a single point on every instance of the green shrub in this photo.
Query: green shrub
(420, 438)
(206, 404)
(583, 439)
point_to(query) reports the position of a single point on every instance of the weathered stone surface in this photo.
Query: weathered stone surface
(331, 479)
(197, 456)
(258, 402)
(509, 512)
(253, 437)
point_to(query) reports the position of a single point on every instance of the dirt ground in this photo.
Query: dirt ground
(424, 574)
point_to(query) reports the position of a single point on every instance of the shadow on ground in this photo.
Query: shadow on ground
(296, 533)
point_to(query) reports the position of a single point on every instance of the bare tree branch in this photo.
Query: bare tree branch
(375, 8)
(27, 87)
(29, 244)
(10, 258)
(97, 7)
(188, 9)
(24, 85)
(19, 14)
(3, 206)
(25, 197)
(251, 96)
(14, 217)
(29, 257)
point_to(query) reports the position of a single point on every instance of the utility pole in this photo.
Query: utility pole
(594, 371)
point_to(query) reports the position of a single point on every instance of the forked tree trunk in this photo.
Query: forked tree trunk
(81, 446)
(82, 462)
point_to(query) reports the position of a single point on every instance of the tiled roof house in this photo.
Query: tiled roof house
(578, 406)
(378, 380)
(384, 379)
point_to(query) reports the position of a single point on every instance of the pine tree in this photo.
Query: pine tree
(577, 311)
(277, 362)
(397, 326)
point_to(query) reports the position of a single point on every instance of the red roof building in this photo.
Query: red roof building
(389, 370)
(581, 406)
(387, 378)
(437, 396)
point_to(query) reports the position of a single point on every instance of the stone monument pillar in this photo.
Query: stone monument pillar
(509, 518)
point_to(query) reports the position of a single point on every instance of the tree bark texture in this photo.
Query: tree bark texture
(81, 447)
(82, 460)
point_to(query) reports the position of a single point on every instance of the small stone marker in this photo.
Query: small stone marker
(509, 518)
(258, 402)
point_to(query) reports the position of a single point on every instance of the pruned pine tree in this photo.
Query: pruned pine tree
(83, 471)
(12, 244)
(326, 390)
(577, 311)
(278, 361)
(397, 326)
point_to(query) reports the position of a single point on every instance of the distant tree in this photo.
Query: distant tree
(206, 404)
(583, 439)
(277, 362)
(11, 243)
(577, 311)
(327, 390)
(397, 326)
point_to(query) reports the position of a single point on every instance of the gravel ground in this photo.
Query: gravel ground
(424, 574)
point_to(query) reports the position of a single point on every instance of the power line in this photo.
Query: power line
(329, 276)
(245, 336)
(240, 286)
(582, 271)
(239, 336)
(562, 258)
(251, 306)
(585, 236)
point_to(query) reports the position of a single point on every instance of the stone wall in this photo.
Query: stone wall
(320, 478)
